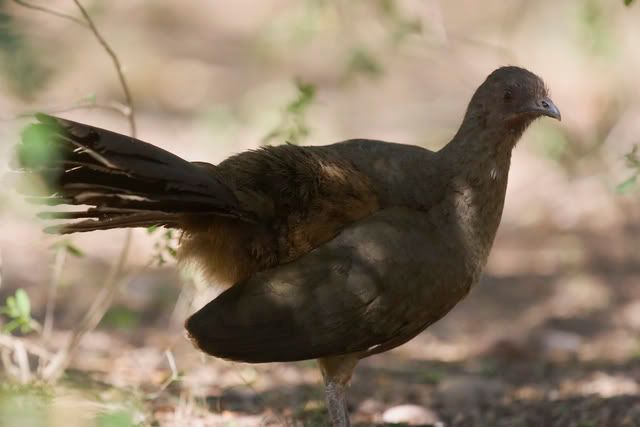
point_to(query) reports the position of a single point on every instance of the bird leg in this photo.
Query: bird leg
(336, 372)
(337, 404)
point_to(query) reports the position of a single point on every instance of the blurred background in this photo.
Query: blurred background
(549, 337)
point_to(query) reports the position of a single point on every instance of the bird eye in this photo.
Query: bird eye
(508, 95)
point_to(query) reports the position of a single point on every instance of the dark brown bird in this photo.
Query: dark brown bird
(332, 253)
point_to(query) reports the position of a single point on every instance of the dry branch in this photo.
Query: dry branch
(57, 364)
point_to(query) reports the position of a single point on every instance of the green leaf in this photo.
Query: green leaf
(362, 61)
(73, 249)
(36, 150)
(306, 93)
(628, 2)
(11, 326)
(172, 251)
(632, 158)
(627, 185)
(18, 309)
(152, 229)
(22, 304)
(12, 307)
(69, 247)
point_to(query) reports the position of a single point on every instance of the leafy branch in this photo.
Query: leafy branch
(293, 127)
(117, 65)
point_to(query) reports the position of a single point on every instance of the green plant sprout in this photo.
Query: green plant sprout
(18, 308)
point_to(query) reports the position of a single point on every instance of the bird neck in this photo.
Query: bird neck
(481, 156)
(477, 165)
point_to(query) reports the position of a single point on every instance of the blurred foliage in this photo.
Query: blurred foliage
(18, 309)
(36, 150)
(306, 25)
(432, 375)
(24, 406)
(121, 317)
(117, 418)
(293, 127)
(596, 34)
(38, 405)
(69, 247)
(552, 143)
(400, 25)
(628, 2)
(21, 64)
(166, 247)
(633, 162)
(363, 61)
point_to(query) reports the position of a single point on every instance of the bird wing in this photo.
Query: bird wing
(378, 280)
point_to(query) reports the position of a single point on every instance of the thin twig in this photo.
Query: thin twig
(52, 291)
(93, 316)
(117, 65)
(22, 361)
(9, 342)
(115, 107)
(175, 376)
(101, 303)
(9, 366)
(103, 300)
(52, 12)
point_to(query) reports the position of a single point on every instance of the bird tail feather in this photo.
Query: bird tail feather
(120, 181)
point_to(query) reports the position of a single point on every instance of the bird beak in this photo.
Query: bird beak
(545, 107)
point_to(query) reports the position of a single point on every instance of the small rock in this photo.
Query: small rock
(410, 414)
(370, 407)
(606, 385)
(561, 342)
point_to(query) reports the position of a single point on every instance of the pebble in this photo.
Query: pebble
(413, 415)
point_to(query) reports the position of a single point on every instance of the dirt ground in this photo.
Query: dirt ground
(551, 335)
(551, 339)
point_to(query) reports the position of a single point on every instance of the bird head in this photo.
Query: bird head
(511, 98)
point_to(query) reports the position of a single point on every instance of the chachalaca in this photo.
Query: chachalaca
(334, 253)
